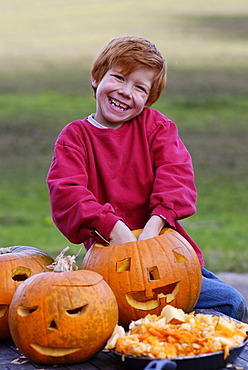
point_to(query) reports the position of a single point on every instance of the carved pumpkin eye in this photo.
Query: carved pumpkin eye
(123, 265)
(76, 311)
(153, 273)
(3, 309)
(20, 273)
(26, 311)
(179, 257)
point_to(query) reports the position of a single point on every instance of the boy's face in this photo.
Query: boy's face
(120, 97)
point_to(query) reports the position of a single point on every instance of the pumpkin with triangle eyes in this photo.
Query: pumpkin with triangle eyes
(62, 317)
(17, 263)
(147, 275)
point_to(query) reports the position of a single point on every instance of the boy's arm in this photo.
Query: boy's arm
(75, 210)
(174, 193)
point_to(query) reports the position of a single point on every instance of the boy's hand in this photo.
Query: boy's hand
(152, 228)
(121, 234)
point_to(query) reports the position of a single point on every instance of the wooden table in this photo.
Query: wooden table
(102, 361)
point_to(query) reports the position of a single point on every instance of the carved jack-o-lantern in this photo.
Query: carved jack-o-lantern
(16, 265)
(149, 274)
(62, 317)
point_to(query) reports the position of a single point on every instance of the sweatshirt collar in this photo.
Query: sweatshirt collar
(92, 120)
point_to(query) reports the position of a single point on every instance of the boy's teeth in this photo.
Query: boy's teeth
(113, 102)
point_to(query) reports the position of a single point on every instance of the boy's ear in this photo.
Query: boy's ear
(93, 83)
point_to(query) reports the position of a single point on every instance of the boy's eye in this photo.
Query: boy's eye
(119, 77)
(141, 88)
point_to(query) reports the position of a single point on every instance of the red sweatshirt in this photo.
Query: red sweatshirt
(99, 176)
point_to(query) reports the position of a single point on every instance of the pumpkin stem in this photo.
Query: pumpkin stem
(64, 263)
(5, 250)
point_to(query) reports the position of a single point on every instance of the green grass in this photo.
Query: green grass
(45, 83)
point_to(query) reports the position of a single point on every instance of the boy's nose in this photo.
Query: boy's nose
(126, 91)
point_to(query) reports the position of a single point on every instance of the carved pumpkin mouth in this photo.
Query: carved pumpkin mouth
(55, 352)
(139, 300)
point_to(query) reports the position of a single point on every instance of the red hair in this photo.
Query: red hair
(128, 53)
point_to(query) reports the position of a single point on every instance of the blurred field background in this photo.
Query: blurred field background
(46, 50)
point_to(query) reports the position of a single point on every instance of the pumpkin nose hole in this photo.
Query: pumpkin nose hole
(3, 309)
(20, 273)
(153, 273)
(53, 325)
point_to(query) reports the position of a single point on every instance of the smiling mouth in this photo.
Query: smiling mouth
(55, 352)
(119, 105)
(139, 300)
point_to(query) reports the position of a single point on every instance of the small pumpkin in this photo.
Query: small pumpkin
(67, 315)
(147, 275)
(17, 263)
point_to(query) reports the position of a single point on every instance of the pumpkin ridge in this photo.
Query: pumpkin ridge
(161, 241)
(186, 244)
(190, 277)
(38, 260)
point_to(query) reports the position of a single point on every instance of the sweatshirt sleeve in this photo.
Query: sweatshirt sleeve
(174, 193)
(74, 208)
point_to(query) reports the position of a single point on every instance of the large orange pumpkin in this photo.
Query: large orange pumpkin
(62, 317)
(147, 275)
(17, 263)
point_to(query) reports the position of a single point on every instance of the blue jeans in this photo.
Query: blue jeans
(221, 297)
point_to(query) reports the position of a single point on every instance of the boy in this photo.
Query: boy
(125, 167)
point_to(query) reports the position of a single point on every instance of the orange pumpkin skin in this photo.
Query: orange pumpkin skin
(67, 317)
(17, 263)
(148, 274)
